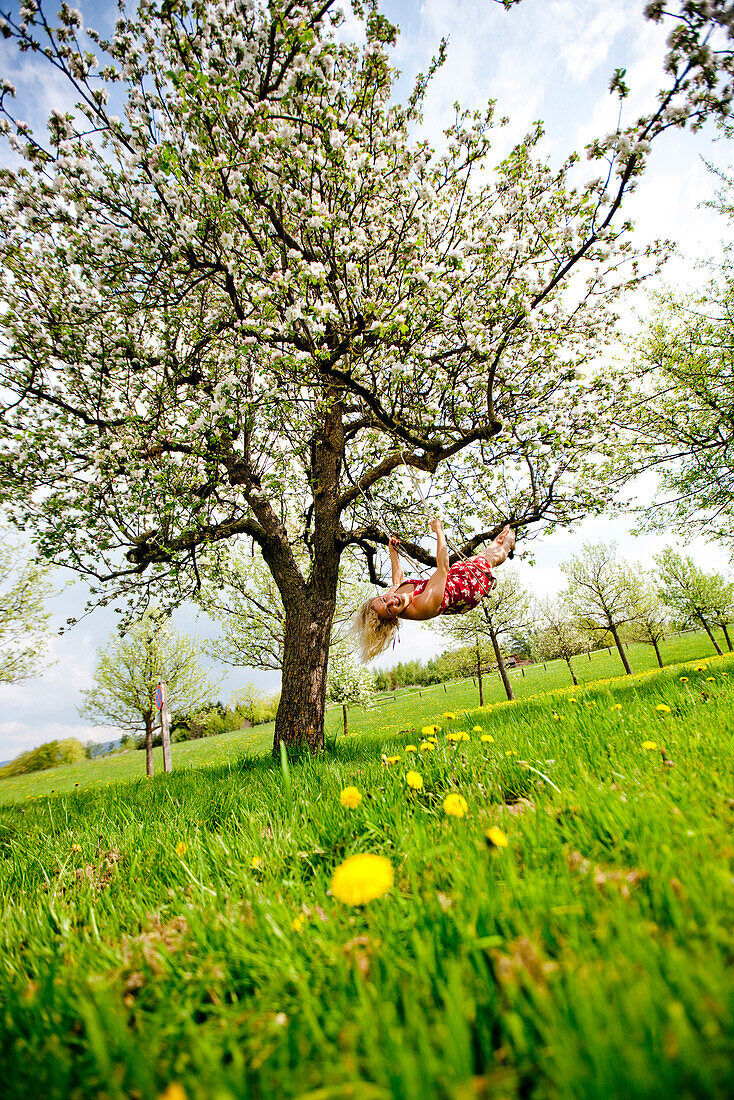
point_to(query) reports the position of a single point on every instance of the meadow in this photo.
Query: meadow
(388, 711)
(550, 910)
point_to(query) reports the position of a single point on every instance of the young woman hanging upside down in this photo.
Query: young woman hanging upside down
(451, 590)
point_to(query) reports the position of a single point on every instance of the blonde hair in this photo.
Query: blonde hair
(371, 633)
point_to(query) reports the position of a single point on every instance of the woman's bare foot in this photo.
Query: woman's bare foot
(500, 547)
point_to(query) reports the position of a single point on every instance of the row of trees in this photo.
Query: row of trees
(607, 602)
(245, 300)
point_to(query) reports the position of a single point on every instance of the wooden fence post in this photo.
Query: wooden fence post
(161, 701)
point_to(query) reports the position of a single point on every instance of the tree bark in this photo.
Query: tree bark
(501, 664)
(148, 718)
(479, 677)
(309, 605)
(707, 628)
(570, 669)
(657, 652)
(620, 648)
(726, 635)
(302, 707)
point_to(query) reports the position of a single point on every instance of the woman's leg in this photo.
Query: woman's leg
(500, 547)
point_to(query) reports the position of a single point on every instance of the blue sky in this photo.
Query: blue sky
(546, 59)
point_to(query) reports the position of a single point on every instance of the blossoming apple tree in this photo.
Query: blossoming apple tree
(243, 296)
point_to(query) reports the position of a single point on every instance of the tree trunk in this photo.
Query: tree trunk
(302, 707)
(726, 635)
(501, 664)
(707, 628)
(148, 717)
(570, 669)
(344, 710)
(657, 652)
(479, 677)
(620, 648)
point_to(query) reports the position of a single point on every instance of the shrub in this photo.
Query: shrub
(52, 754)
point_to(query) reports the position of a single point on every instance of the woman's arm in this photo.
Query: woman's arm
(427, 604)
(398, 576)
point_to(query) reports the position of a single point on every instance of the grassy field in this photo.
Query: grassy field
(406, 709)
(180, 937)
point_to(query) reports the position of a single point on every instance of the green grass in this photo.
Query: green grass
(591, 957)
(389, 711)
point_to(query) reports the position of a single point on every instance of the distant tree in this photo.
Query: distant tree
(674, 402)
(723, 609)
(131, 667)
(52, 754)
(694, 596)
(254, 705)
(471, 634)
(651, 623)
(599, 593)
(238, 591)
(349, 682)
(23, 618)
(503, 611)
(559, 636)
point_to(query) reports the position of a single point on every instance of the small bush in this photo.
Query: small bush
(52, 754)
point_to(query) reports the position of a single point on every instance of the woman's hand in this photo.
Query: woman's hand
(436, 525)
(394, 542)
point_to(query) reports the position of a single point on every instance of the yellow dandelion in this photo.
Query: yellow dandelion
(649, 745)
(684, 679)
(411, 748)
(362, 878)
(76, 849)
(414, 780)
(427, 746)
(572, 699)
(180, 849)
(487, 738)
(710, 679)
(510, 752)
(298, 923)
(455, 805)
(476, 729)
(700, 668)
(616, 706)
(390, 759)
(496, 837)
(663, 708)
(174, 1091)
(449, 714)
(350, 797)
(256, 863)
(463, 736)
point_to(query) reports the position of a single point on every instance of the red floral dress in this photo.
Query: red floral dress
(466, 584)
